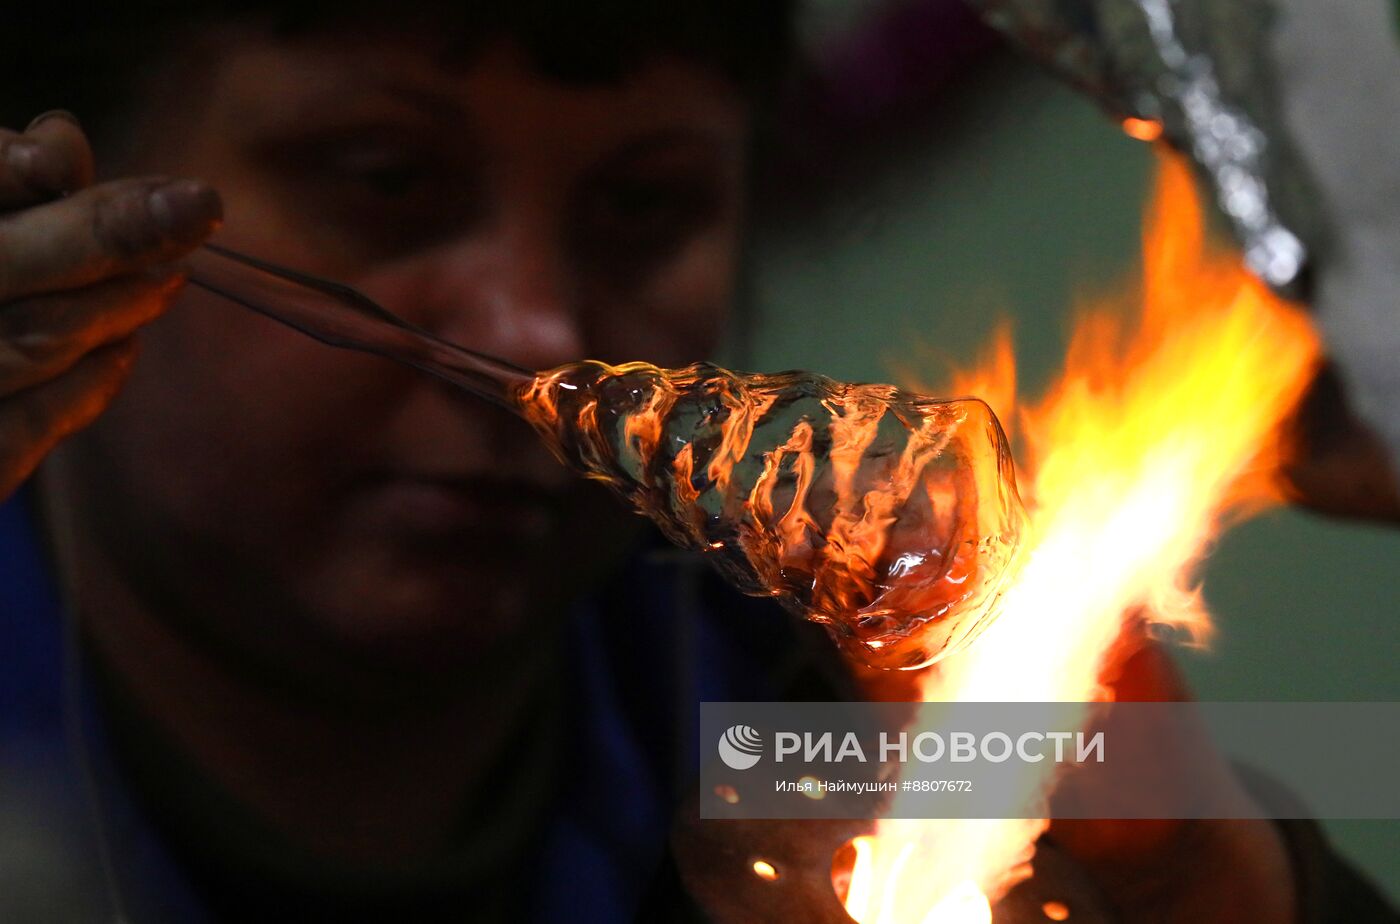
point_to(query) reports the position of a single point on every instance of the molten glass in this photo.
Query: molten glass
(888, 516)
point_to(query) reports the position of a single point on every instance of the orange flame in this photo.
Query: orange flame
(993, 379)
(1149, 441)
(1142, 129)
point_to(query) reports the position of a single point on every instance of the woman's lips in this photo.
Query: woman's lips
(480, 510)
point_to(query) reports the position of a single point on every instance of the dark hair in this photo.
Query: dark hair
(90, 60)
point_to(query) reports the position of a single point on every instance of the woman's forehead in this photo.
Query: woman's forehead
(278, 85)
(744, 42)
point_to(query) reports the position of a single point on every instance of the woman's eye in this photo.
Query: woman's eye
(390, 174)
(378, 193)
(363, 170)
(658, 207)
(645, 220)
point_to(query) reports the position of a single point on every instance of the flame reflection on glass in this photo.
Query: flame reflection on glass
(888, 516)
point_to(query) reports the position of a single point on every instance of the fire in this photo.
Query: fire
(1142, 129)
(1151, 439)
(964, 904)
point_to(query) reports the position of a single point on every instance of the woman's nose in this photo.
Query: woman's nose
(508, 294)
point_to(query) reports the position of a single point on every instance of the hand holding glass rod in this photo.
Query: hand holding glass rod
(890, 517)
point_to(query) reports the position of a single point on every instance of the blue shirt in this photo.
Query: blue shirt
(636, 685)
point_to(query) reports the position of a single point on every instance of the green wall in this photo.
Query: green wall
(1019, 195)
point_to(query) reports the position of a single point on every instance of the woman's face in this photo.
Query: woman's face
(337, 499)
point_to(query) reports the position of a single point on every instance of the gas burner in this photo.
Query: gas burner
(780, 872)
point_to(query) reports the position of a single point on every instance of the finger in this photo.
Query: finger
(1140, 671)
(1335, 463)
(42, 337)
(1143, 672)
(63, 162)
(103, 231)
(48, 159)
(1220, 870)
(34, 421)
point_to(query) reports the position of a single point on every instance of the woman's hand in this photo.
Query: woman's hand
(1336, 464)
(1204, 871)
(82, 267)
